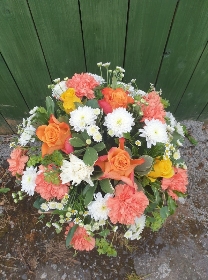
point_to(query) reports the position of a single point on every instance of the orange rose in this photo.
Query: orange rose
(53, 135)
(118, 165)
(114, 98)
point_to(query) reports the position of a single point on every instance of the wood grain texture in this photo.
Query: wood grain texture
(148, 27)
(12, 105)
(104, 31)
(187, 40)
(59, 29)
(4, 127)
(21, 49)
(195, 96)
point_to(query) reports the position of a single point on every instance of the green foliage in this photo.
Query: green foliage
(33, 160)
(89, 194)
(99, 147)
(188, 135)
(52, 176)
(70, 235)
(155, 222)
(90, 156)
(92, 103)
(50, 105)
(77, 142)
(41, 117)
(55, 158)
(4, 190)
(106, 186)
(104, 233)
(145, 167)
(156, 151)
(38, 202)
(165, 102)
(105, 248)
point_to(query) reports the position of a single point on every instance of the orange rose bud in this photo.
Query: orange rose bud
(53, 135)
(118, 165)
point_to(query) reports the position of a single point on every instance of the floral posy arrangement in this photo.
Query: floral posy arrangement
(102, 158)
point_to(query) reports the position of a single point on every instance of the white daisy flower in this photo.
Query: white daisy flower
(76, 171)
(118, 122)
(177, 155)
(97, 137)
(98, 208)
(92, 129)
(128, 234)
(154, 131)
(82, 117)
(44, 206)
(58, 89)
(28, 180)
(52, 205)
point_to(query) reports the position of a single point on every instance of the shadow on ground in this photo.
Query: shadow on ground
(28, 250)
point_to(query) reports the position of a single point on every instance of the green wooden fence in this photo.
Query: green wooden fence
(159, 41)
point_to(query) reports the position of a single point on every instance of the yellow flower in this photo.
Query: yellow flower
(69, 98)
(162, 168)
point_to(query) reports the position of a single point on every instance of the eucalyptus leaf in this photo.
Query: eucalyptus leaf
(70, 235)
(50, 105)
(77, 142)
(106, 186)
(90, 156)
(145, 167)
(89, 194)
(92, 103)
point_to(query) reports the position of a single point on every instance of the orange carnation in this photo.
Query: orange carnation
(53, 135)
(118, 165)
(114, 98)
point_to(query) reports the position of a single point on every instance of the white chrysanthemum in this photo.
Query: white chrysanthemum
(97, 78)
(76, 171)
(97, 137)
(119, 121)
(98, 208)
(52, 204)
(92, 129)
(137, 227)
(44, 206)
(154, 131)
(28, 180)
(27, 135)
(82, 117)
(179, 129)
(58, 89)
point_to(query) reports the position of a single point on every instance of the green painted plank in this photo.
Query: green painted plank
(204, 114)
(4, 127)
(104, 31)
(187, 40)
(59, 29)
(12, 105)
(148, 27)
(22, 52)
(196, 94)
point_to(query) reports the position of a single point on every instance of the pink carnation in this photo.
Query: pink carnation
(126, 205)
(83, 85)
(154, 109)
(17, 161)
(49, 190)
(178, 182)
(81, 240)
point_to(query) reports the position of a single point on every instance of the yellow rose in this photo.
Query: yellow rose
(162, 168)
(68, 98)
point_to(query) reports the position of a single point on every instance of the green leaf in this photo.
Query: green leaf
(38, 202)
(70, 235)
(171, 205)
(87, 187)
(106, 186)
(78, 152)
(139, 185)
(145, 167)
(114, 82)
(104, 233)
(4, 190)
(78, 104)
(164, 213)
(89, 194)
(92, 103)
(77, 142)
(84, 135)
(49, 105)
(90, 156)
(99, 147)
